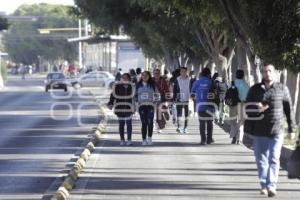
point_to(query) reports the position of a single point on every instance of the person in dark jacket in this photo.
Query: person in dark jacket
(122, 100)
(118, 75)
(271, 100)
(221, 87)
(205, 110)
(163, 88)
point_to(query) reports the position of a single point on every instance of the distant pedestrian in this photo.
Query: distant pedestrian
(118, 75)
(133, 76)
(122, 100)
(163, 89)
(172, 80)
(138, 72)
(22, 71)
(272, 101)
(146, 97)
(205, 110)
(236, 111)
(181, 96)
(221, 88)
(193, 79)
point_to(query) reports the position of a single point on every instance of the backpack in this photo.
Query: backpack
(212, 95)
(222, 88)
(232, 96)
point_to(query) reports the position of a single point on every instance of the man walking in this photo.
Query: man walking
(181, 96)
(235, 112)
(272, 101)
(205, 108)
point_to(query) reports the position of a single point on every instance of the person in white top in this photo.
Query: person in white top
(181, 96)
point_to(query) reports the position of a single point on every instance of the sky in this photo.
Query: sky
(11, 5)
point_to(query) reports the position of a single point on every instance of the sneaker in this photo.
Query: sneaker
(144, 143)
(210, 141)
(159, 131)
(128, 143)
(202, 143)
(122, 143)
(185, 131)
(263, 191)
(271, 193)
(149, 142)
(233, 141)
(178, 130)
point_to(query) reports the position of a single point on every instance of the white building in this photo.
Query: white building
(110, 53)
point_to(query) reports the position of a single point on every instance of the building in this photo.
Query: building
(110, 53)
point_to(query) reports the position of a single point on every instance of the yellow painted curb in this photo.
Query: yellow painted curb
(61, 194)
(90, 146)
(73, 174)
(81, 162)
(68, 183)
(85, 154)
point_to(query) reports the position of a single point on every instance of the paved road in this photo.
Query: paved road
(175, 167)
(39, 135)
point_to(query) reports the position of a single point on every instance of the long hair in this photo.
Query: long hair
(150, 81)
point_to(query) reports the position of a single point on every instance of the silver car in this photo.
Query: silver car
(94, 79)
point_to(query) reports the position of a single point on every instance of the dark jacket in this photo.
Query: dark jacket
(221, 90)
(122, 98)
(277, 97)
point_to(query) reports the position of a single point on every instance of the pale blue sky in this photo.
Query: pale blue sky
(11, 5)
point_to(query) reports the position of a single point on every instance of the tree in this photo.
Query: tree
(25, 44)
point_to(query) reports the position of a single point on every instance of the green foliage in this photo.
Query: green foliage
(3, 71)
(274, 28)
(163, 27)
(24, 43)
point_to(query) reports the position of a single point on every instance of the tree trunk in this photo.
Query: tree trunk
(249, 76)
(296, 98)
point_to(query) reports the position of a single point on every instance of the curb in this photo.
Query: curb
(69, 181)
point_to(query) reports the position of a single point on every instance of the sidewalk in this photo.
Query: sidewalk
(175, 167)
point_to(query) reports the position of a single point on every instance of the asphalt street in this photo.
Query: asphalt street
(39, 135)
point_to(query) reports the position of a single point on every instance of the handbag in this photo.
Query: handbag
(293, 164)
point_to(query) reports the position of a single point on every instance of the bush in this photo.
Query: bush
(4, 71)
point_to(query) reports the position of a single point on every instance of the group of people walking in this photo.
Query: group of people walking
(259, 108)
(154, 96)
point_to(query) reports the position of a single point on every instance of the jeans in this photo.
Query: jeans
(220, 113)
(128, 122)
(206, 125)
(147, 115)
(179, 108)
(237, 122)
(267, 154)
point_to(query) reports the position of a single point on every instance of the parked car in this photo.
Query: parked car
(94, 79)
(56, 81)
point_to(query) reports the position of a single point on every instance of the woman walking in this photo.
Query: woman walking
(145, 96)
(122, 100)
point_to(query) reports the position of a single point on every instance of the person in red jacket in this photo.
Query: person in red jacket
(163, 88)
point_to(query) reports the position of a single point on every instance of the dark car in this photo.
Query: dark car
(56, 81)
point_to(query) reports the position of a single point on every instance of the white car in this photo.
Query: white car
(94, 79)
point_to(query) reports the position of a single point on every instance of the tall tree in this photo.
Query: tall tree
(25, 44)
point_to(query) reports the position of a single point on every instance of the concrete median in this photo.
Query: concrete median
(69, 182)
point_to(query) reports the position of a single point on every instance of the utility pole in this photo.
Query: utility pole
(79, 45)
